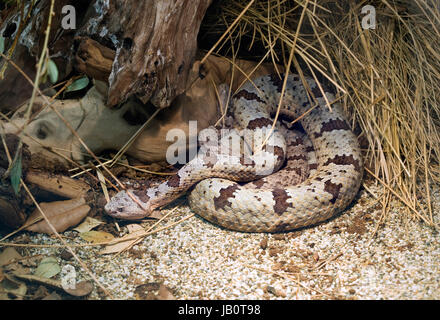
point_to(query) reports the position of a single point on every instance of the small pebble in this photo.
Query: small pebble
(198, 260)
(263, 243)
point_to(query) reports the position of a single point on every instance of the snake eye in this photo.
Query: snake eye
(42, 131)
(41, 134)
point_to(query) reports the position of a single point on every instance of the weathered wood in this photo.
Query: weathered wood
(155, 48)
(92, 56)
(155, 43)
(14, 88)
(94, 59)
(57, 184)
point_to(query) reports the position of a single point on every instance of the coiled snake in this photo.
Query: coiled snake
(314, 175)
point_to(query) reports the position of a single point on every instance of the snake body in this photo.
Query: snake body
(311, 176)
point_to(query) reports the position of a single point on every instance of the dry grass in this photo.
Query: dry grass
(388, 77)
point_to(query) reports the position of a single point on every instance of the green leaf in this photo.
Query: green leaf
(2, 44)
(79, 84)
(16, 174)
(48, 268)
(52, 71)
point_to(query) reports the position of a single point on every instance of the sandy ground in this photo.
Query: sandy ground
(360, 254)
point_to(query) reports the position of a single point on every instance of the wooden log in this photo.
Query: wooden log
(93, 59)
(156, 48)
(58, 184)
(155, 43)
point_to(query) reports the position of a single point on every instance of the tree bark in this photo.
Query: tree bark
(155, 42)
(155, 49)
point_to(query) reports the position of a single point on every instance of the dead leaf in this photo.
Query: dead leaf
(12, 287)
(103, 184)
(9, 255)
(40, 293)
(96, 236)
(61, 214)
(11, 260)
(165, 293)
(121, 245)
(66, 255)
(81, 289)
(156, 214)
(153, 291)
(52, 296)
(134, 227)
(88, 224)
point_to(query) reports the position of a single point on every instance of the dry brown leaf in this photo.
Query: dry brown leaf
(153, 291)
(61, 214)
(10, 286)
(120, 246)
(11, 260)
(52, 296)
(96, 236)
(8, 255)
(88, 224)
(82, 289)
(165, 293)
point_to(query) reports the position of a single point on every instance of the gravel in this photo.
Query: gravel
(360, 254)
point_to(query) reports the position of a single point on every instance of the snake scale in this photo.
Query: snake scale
(311, 176)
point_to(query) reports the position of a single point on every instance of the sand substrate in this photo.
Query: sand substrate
(361, 254)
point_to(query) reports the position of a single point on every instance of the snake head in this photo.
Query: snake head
(128, 206)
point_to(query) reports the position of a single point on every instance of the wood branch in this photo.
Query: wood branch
(94, 59)
(58, 184)
(155, 47)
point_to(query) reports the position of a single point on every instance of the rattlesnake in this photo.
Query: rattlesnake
(321, 177)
